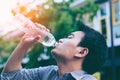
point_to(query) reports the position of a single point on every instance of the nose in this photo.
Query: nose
(61, 40)
(56, 43)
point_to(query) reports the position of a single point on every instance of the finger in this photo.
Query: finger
(38, 25)
(41, 27)
(30, 31)
(27, 35)
(16, 33)
(37, 38)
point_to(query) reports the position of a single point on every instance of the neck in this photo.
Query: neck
(65, 67)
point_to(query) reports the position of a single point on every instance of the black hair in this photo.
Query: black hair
(97, 47)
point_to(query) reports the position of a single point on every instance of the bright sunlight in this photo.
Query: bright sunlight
(6, 15)
(5, 10)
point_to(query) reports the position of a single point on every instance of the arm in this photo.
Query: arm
(14, 61)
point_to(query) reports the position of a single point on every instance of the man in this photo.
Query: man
(78, 56)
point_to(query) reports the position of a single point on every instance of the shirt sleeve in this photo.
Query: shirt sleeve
(25, 74)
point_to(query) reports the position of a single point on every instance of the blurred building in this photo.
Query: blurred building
(101, 23)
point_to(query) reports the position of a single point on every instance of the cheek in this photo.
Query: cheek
(67, 48)
(60, 51)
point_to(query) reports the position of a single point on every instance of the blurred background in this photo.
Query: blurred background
(62, 17)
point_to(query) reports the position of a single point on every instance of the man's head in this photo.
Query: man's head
(97, 47)
(86, 45)
(67, 48)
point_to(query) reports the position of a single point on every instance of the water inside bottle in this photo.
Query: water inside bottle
(49, 40)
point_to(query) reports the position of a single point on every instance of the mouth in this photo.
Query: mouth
(55, 45)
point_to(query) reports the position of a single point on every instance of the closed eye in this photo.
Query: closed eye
(70, 36)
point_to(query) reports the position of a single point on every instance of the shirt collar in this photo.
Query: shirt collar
(77, 74)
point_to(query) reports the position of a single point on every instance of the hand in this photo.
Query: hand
(27, 26)
(28, 40)
(37, 29)
(41, 27)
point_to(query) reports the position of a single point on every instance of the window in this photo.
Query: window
(103, 10)
(117, 31)
(117, 11)
(104, 28)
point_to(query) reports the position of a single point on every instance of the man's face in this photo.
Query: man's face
(67, 47)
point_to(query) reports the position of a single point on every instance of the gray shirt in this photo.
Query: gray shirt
(45, 73)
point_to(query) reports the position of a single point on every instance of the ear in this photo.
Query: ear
(81, 52)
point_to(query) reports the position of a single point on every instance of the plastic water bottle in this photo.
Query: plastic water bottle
(21, 22)
(49, 40)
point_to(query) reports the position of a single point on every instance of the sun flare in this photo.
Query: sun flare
(6, 14)
(5, 10)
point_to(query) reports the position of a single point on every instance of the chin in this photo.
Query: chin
(54, 51)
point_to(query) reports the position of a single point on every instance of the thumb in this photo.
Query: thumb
(37, 38)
